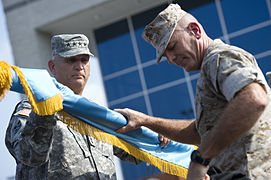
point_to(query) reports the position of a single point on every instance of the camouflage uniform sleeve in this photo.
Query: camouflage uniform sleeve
(29, 136)
(123, 155)
(230, 70)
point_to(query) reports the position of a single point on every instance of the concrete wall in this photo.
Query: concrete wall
(31, 46)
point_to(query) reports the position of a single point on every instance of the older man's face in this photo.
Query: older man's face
(72, 72)
(183, 50)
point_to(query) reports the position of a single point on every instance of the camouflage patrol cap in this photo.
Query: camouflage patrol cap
(160, 30)
(68, 45)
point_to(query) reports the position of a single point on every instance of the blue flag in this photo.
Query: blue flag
(47, 97)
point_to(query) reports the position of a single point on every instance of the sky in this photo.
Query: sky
(94, 90)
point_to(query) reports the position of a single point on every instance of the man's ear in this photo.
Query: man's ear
(51, 65)
(195, 29)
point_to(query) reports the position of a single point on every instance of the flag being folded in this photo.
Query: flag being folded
(47, 97)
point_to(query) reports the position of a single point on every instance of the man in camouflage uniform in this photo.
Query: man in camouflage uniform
(46, 148)
(233, 124)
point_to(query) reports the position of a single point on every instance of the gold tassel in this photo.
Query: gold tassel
(43, 108)
(5, 79)
(100, 135)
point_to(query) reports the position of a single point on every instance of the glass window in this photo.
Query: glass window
(115, 50)
(146, 50)
(173, 103)
(254, 42)
(162, 73)
(132, 172)
(122, 86)
(137, 104)
(240, 14)
(208, 17)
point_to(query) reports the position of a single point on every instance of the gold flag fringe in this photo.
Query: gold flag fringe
(100, 135)
(43, 108)
(5, 79)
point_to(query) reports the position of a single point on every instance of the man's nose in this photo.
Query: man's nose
(79, 65)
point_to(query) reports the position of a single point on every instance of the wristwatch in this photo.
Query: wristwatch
(195, 157)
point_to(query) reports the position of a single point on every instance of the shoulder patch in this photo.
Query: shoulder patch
(24, 112)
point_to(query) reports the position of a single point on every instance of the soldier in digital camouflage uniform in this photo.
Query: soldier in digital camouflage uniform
(46, 148)
(233, 114)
